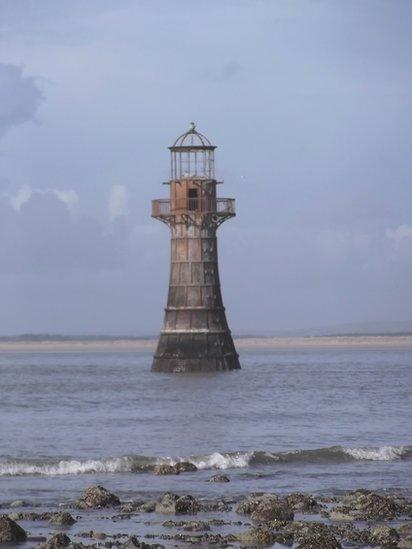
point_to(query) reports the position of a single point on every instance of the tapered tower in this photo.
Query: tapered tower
(195, 335)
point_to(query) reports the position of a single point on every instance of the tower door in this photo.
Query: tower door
(192, 199)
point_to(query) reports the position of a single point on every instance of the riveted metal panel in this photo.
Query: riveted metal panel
(179, 297)
(199, 319)
(181, 250)
(183, 319)
(185, 273)
(209, 296)
(170, 319)
(208, 249)
(194, 296)
(195, 249)
(197, 274)
(210, 272)
(175, 273)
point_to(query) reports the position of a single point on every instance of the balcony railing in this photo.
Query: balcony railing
(164, 207)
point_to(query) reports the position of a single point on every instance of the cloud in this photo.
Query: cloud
(21, 197)
(62, 271)
(19, 97)
(69, 197)
(400, 234)
(40, 234)
(118, 202)
(25, 192)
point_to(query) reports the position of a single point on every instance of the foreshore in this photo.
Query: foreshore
(99, 518)
(242, 343)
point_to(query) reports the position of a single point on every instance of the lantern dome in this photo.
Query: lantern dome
(192, 139)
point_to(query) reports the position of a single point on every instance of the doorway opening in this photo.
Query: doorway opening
(192, 199)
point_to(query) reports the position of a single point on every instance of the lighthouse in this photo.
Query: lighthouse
(195, 336)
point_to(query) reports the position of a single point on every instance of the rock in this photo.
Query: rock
(269, 510)
(196, 526)
(89, 534)
(328, 499)
(62, 518)
(317, 541)
(10, 531)
(303, 503)
(215, 506)
(99, 535)
(134, 543)
(186, 505)
(138, 507)
(405, 543)
(185, 467)
(130, 507)
(171, 523)
(366, 505)
(385, 536)
(219, 478)
(257, 536)
(350, 533)
(97, 497)
(188, 525)
(58, 540)
(313, 535)
(166, 470)
(405, 532)
(221, 522)
(166, 506)
(177, 505)
(336, 516)
(248, 505)
(17, 503)
(30, 515)
(148, 507)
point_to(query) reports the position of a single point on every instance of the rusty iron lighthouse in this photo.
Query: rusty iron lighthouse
(195, 335)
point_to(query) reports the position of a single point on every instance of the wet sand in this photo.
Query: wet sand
(242, 343)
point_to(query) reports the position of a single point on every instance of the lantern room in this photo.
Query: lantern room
(192, 156)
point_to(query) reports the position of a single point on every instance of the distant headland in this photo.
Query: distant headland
(96, 343)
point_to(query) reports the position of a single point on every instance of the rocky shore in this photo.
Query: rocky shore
(360, 519)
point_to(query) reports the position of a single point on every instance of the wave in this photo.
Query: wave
(216, 460)
(65, 467)
(384, 453)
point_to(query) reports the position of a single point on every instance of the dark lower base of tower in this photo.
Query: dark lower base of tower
(192, 364)
(195, 352)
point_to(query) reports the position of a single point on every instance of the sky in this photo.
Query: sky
(310, 106)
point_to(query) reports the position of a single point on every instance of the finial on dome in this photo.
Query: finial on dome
(192, 127)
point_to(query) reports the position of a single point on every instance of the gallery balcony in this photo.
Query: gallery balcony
(164, 208)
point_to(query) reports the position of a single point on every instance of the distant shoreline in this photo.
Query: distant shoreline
(97, 344)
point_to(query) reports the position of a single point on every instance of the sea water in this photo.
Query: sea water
(320, 421)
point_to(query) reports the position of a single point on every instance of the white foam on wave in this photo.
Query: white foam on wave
(383, 453)
(66, 467)
(218, 460)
